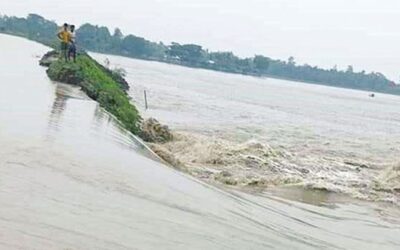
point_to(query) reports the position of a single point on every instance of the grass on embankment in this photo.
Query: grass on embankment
(99, 84)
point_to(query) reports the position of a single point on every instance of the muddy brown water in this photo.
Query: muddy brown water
(71, 178)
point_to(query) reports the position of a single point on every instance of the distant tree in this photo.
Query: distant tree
(291, 61)
(261, 63)
(87, 37)
(225, 61)
(118, 34)
(350, 69)
(135, 46)
(187, 53)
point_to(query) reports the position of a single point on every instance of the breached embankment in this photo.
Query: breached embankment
(99, 83)
(250, 165)
(109, 89)
(106, 87)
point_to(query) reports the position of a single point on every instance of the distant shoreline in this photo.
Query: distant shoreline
(223, 72)
(248, 75)
(99, 39)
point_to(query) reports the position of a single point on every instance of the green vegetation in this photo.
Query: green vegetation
(99, 39)
(34, 27)
(99, 84)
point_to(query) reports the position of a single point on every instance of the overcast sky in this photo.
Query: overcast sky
(364, 33)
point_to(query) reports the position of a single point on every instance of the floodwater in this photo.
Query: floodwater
(70, 178)
(273, 131)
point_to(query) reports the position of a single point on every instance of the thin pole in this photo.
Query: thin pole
(145, 99)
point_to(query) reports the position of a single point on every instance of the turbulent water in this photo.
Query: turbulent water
(71, 178)
(249, 131)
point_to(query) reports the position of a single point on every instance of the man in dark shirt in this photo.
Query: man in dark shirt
(72, 45)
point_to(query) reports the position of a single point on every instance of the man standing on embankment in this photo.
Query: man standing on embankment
(65, 38)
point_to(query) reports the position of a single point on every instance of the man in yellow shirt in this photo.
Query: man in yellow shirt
(65, 36)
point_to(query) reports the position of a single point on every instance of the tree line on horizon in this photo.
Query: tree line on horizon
(99, 39)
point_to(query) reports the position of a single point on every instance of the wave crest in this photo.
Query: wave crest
(258, 165)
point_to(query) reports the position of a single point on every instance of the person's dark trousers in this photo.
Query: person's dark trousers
(72, 52)
(64, 50)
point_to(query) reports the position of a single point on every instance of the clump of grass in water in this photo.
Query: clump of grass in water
(99, 85)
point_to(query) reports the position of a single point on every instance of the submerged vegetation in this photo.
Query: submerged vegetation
(99, 39)
(99, 83)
